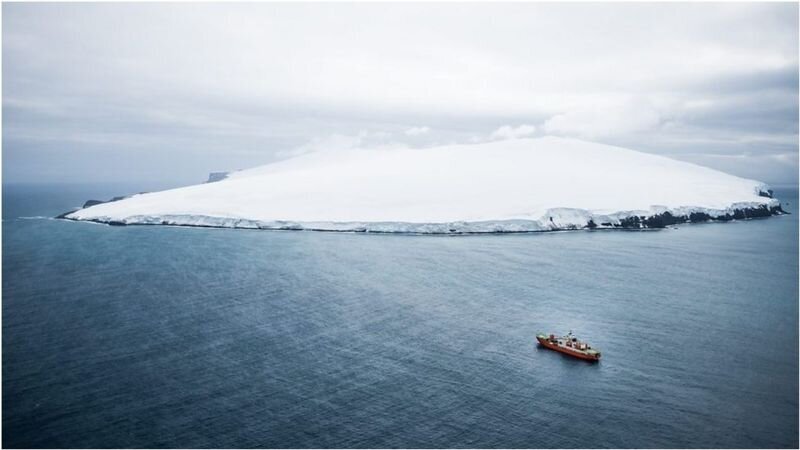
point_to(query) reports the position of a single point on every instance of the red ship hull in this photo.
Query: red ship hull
(567, 350)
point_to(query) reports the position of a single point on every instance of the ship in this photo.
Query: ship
(569, 345)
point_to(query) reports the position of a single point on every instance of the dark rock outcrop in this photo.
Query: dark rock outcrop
(217, 176)
(666, 218)
(90, 203)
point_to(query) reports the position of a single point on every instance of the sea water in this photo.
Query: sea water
(149, 336)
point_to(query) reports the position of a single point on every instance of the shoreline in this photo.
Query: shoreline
(633, 222)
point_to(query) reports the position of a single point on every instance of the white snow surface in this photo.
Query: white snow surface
(513, 185)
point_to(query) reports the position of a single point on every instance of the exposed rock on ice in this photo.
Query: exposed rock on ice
(213, 177)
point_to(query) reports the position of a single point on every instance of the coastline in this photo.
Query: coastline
(619, 221)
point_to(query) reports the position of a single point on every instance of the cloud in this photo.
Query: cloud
(333, 142)
(510, 132)
(417, 131)
(772, 168)
(787, 158)
(237, 84)
(340, 142)
(599, 121)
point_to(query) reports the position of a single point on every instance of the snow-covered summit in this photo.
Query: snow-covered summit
(514, 185)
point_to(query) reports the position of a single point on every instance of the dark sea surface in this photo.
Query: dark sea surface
(183, 337)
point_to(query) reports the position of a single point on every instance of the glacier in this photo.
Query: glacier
(520, 185)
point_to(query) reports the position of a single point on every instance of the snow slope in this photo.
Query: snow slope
(515, 185)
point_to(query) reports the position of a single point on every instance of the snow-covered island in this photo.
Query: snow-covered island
(541, 184)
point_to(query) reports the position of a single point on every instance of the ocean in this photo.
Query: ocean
(148, 336)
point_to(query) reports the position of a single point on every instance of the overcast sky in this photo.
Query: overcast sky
(165, 93)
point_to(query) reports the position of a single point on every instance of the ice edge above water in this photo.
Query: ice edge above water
(558, 219)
